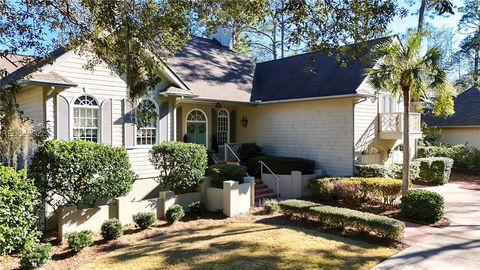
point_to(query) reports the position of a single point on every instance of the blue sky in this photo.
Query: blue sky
(401, 25)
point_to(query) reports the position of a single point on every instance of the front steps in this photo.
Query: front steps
(263, 192)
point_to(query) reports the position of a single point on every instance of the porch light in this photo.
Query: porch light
(244, 122)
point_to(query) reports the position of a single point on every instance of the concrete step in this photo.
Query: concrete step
(269, 195)
(262, 191)
(260, 186)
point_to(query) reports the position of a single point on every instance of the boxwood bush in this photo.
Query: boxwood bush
(144, 219)
(389, 171)
(281, 165)
(223, 172)
(79, 172)
(422, 205)
(181, 165)
(336, 217)
(357, 190)
(112, 229)
(35, 255)
(435, 170)
(79, 240)
(466, 159)
(19, 205)
(174, 213)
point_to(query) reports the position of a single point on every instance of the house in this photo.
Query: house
(307, 106)
(463, 127)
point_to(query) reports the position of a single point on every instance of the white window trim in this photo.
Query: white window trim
(157, 131)
(99, 115)
(207, 141)
(228, 122)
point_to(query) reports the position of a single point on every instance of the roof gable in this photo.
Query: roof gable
(467, 111)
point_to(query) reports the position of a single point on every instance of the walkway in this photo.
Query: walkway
(454, 247)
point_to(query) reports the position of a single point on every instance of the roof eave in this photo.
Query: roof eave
(39, 82)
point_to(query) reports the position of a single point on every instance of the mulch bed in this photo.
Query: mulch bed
(466, 181)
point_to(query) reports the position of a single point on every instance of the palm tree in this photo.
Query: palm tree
(403, 70)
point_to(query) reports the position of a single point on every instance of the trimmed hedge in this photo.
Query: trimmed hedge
(144, 219)
(466, 159)
(422, 205)
(182, 165)
(357, 190)
(223, 172)
(80, 172)
(281, 165)
(247, 151)
(383, 171)
(19, 205)
(435, 170)
(111, 229)
(336, 217)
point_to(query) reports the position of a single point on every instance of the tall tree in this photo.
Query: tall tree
(470, 24)
(439, 7)
(404, 71)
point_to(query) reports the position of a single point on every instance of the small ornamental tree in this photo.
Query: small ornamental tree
(182, 165)
(79, 172)
(19, 201)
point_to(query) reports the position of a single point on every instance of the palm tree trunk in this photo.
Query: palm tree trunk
(406, 139)
(421, 16)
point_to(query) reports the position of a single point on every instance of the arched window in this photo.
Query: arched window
(196, 127)
(85, 118)
(147, 115)
(223, 127)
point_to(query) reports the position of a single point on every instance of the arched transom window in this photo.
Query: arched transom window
(147, 123)
(223, 126)
(196, 116)
(85, 118)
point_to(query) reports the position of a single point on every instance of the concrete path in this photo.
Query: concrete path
(454, 247)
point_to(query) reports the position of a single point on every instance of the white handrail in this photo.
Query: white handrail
(229, 149)
(262, 164)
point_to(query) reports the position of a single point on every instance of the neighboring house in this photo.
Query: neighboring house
(305, 106)
(463, 127)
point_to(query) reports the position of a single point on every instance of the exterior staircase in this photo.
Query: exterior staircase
(263, 192)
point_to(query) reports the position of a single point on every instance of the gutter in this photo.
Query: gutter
(311, 98)
(23, 81)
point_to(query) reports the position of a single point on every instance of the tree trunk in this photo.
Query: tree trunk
(421, 16)
(406, 140)
(282, 32)
(274, 38)
(475, 67)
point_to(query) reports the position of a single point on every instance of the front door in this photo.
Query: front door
(197, 133)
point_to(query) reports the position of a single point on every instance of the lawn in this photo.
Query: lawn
(243, 246)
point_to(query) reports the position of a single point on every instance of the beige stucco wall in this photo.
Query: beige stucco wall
(320, 130)
(461, 135)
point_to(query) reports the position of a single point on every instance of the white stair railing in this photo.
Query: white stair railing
(262, 165)
(231, 152)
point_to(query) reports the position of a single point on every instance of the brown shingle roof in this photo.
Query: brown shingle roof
(212, 71)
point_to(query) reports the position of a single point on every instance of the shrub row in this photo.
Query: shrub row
(389, 171)
(435, 170)
(223, 172)
(466, 159)
(357, 190)
(335, 217)
(281, 165)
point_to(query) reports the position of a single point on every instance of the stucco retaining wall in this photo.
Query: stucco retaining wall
(291, 185)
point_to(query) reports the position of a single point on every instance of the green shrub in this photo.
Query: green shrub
(174, 213)
(19, 205)
(270, 206)
(35, 255)
(435, 170)
(196, 209)
(466, 159)
(422, 205)
(281, 165)
(247, 151)
(357, 190)
(223, 172)
(144, 219)
(112, 229)
(181, 165)
(396, 170)
(371, 170)
(336, 217)
(79, 240)
(434, 151)
(76, 172)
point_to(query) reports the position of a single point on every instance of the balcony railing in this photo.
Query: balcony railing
(391, 125)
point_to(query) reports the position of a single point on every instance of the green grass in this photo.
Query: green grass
(244, 246)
